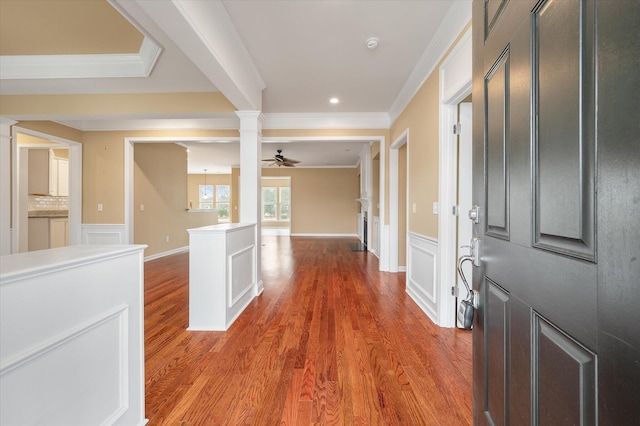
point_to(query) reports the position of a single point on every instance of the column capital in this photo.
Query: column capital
(250, 120)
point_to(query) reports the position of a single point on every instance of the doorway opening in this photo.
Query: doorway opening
(276, 205)
(47, 191)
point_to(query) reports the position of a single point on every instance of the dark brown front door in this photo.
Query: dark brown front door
(556, 98)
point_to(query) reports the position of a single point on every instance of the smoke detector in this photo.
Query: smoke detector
(373, 43)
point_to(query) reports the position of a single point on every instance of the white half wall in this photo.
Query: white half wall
(422, 273)
(71, 336)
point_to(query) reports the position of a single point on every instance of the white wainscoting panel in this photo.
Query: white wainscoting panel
(422, 282)
(222, 274)
(103, 234)
(71, 336)
(376, 236)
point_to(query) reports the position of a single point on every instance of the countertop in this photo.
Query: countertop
(48, 213)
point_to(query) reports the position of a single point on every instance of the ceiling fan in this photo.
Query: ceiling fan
(280, 160)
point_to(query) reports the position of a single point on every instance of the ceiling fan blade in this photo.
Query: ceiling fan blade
(268, 159)
(290, 160)
(288, 164)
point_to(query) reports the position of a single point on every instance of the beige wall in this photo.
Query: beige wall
(160, 184)
(323, 201)
(52, 129)
(103, 170)
(115, 103)
(421, 117)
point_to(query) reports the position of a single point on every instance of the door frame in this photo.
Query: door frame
(455, 85)
(75, 185)
(394, 177)
(128, 147)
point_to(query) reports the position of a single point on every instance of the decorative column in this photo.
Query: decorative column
(5, 185)
(250, 180)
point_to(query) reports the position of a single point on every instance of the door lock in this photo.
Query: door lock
(474, 214)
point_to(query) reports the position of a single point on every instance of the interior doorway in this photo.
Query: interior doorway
(46, 191)
(397, 201)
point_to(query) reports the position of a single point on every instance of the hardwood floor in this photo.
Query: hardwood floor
(331, 341)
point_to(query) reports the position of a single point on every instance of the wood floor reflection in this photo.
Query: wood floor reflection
(331, 341)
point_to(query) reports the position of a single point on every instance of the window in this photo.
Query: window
(275, 204)
(223, 199)
(284, 203)
(205, 197)
(220, 198)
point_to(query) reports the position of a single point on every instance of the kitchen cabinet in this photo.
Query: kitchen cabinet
(46, 232)
(38, 233)
(48, 173)
(58, 176)
(58, 232)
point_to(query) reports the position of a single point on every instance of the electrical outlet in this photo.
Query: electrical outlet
(167, 238)
(100, 207)
(435, 207)
(141, 207)
(414, 207)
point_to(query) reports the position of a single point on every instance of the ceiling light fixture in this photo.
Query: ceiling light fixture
(373, 43)
(334, 100)
(205, 196)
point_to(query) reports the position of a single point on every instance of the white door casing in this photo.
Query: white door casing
(455, 86)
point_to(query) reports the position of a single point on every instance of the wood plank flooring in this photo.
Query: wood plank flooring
(331, 341)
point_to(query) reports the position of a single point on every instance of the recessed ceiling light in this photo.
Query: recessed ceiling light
(334, 100)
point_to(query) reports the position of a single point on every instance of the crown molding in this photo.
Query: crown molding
(452, 25)
(139, 64)
(206, 35)
(347, 120)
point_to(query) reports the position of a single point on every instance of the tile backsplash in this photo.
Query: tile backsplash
(43, 202)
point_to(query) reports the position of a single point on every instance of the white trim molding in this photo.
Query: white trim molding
(394, 232)
(82, 66)
(422, 273)
(6, 161)
(166, 253)
(276, 231)
(455, 85)
(458, 16)
(324, 235)
(347, 120)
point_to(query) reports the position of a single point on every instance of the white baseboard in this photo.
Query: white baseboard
(326, 235)
(166, 253)
(275, 231)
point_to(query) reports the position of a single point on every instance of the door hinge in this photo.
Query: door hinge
(457, 128)
(455, 210)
